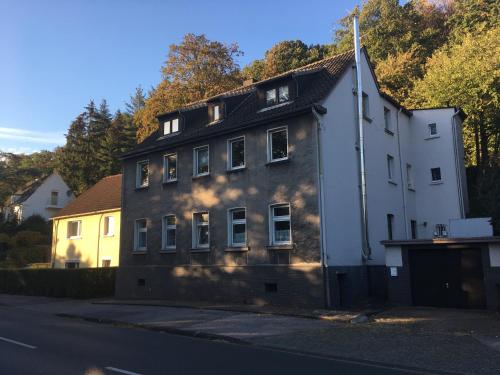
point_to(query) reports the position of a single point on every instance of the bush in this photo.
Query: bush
(36, 223)
(27, 239)
(79, 283)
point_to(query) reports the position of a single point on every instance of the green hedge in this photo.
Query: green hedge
(79, 283)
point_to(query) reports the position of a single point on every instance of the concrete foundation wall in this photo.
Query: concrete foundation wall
(267, 284)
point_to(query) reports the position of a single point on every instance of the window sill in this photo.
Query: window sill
(139, 252)
(168, 251)
(432, 137)
(411, 189)
(236, 170)
(392, 182)
(165, 136)
(279, 161)
(139, 188)
(271, 107)
(215, 122)
(280, 247)
(366, 118)
(236, 249)
(201, 176)
(200, 250)
(170, 182)
(437, 182)
(75, 238)
(390, 132)
(108, 235)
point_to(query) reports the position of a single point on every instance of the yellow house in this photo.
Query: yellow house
(86, 232)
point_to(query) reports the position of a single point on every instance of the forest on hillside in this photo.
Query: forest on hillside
(425, 53)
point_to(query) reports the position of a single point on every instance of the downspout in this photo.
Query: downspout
(457, 164)
(321, 198)
(99, 240)
(54, 243)
(403, 185)
(365, 251)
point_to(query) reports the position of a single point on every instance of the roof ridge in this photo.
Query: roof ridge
(252, 85)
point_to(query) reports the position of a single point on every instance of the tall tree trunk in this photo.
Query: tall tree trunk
(476, 141)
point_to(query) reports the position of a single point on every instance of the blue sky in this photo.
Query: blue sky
(57, 55)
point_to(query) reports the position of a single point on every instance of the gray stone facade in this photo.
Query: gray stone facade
(256, 187)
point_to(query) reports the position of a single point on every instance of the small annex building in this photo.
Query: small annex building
(86, 233)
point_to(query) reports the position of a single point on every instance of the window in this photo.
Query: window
(390, 226)
(106, 263)
(54, 198)
(366, 106)
(169, 227)
(140, 235)
(237, 227)
(72, 264)
(280, 225)
(432, 129)
(201, 161)
(277, 142)
(109, 225)
(171, 126)
(390, 168)
(409, 177)
(170, 168)
(436, 174)
(216, 113)
(283, 95)
(236, 153)
(142, 174)
(74, 229)
(387, 120)
(200, 230)
(413, 225)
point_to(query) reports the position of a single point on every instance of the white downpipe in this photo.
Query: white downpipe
(403, 184)
(458, 170)
(365, 251)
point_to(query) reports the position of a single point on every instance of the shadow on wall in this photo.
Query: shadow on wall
(73, 254)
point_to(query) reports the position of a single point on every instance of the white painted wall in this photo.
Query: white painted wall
(429, 203)
(39, 202)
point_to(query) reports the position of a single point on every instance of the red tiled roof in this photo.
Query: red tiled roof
(103, 196)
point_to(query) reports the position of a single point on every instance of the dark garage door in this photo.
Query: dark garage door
(447, 278)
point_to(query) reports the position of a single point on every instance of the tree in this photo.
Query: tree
(195, 69)
(136, 102)
(468, 75)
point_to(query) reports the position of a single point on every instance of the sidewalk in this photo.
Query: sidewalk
(448, 340)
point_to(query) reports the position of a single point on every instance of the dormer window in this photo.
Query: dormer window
(277, 95)
(215, 112)
(171, 126)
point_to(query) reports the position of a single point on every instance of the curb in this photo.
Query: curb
(368, 313)
(233, 340)
(174, 331)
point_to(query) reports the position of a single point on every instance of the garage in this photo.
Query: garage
(447, 277)
(444, 272)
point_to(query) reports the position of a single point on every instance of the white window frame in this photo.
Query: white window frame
(138, 183)
(195, 161)
(165, 227)
(430, 130)
(170, 124)
(231, 224)
(72, 261)
(273, 219)
(409, 177)
(136, 234)
(270, 144)
(390, 168)
(216, 109)
(57, 198)
(230, 153)
(165, 167)
(275, 97)
(109, 218)
(388, 120)
(79, 231)
(440, 175)
(195, 225)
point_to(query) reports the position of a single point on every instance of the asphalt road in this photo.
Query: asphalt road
(38, 343)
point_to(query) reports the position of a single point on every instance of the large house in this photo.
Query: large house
(86, 233)
(44, 196)
(259, 195)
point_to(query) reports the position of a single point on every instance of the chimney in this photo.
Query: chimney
(248, 82)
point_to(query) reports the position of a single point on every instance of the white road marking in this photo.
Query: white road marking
(121, 371)
(17, 343)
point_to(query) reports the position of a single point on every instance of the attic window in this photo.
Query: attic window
(277, 95)
(171, 126)
(215, 112)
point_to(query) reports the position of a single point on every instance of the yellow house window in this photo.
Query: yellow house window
(109, 226)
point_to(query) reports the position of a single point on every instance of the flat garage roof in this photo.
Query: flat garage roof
(442, 241)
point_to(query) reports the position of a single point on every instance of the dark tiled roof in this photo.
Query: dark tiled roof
(27, 190)
(315, 81)
(105, 195)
